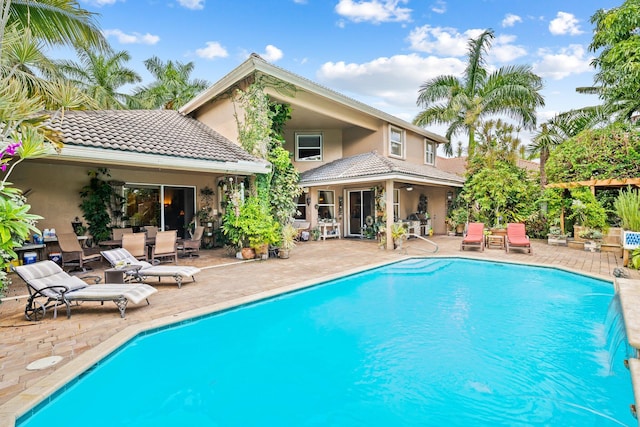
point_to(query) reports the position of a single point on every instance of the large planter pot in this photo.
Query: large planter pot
(556, 240)
(592, 246)
(248, 253)
(283, 253)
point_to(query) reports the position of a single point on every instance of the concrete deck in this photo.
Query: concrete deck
(94, 330)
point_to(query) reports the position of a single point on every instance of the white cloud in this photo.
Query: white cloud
(565, 23)
(375, 11)
(271, 53)
(510, 20)
(133, 38)
(439, 7)
(568, 61)
(212, 51)
(441, 40)
(504, 50)
(391, 83)
(192, 4)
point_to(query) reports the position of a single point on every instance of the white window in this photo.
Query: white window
(429, 152)
(326, 205)
(396, 142)
(309, 147)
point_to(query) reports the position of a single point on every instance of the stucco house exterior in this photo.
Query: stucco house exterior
(348, 153)
(354, 159)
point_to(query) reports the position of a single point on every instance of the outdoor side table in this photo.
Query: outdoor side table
(116, 275)
(495, 242)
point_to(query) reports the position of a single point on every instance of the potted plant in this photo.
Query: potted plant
(398, 234)
(627, 206)
(205, 212)
(251, 228)
(593, 239)
(288, 240)
(555, 237)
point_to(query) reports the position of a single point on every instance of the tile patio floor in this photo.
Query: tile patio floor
(226, 279)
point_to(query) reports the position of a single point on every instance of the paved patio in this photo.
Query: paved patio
(224, 281)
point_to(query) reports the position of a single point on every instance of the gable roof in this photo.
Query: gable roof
(371, 165)
(158, 138)
(256, 64)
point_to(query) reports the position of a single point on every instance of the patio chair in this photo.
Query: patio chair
(73, 253)
(474, 237)
(120, 258)
(151, 230)
(119, 232)
(165, 247)
(517, 238)
(50, 286)
(136, 244)
(191, 246)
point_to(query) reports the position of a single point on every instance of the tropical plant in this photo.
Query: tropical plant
(634, 259)
(54, 21)
(627, 206)
(617, 42)
(591, 234)
(252, 226)
(462, 103)
(96, 203)
(586, 211)
(288, 237)
(172, 88)
(100, 75)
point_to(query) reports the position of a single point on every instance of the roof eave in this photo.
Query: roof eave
(382, 177)
(128, 158)
(255, 64)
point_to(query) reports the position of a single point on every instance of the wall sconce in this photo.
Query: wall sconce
(409, 188)
(316, 206)
(449, 195)
(308, 201)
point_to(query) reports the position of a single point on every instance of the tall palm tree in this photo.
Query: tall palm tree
(100, 75)
(462, 103)
(54, 21)
(172, 88)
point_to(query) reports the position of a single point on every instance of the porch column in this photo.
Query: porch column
(388, 191)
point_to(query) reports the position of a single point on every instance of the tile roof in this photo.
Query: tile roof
(375, 165)
(157, 132)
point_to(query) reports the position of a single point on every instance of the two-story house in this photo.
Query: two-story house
(344, 149)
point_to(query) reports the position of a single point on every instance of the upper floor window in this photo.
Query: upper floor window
(429, 152)
(309, 146)
(396, 142)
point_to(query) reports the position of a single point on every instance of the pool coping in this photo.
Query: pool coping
(47, 387)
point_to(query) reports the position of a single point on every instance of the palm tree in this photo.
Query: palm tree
(463, 103)
(100, 76)
(172, 87)
(54, 21)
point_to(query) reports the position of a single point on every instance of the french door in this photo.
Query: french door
(361, 205)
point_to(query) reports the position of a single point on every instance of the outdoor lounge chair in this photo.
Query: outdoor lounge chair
(517, 237)
(120, 258)
(474, 237)
(50, 286)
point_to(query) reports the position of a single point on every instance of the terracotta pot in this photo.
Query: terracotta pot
(248, 253)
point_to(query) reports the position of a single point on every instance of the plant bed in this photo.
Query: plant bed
(557, 240)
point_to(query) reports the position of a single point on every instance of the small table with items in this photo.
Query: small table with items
(495, 241)
(117, 274)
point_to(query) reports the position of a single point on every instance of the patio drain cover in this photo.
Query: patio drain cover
(44, 363)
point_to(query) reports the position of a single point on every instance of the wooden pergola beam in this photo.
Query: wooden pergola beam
(611, 182)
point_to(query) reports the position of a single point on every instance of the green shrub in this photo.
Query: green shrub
(627, 206)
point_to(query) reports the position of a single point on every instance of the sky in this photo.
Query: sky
(376, 51)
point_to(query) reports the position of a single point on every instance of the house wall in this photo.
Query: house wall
(219, 115)
(331, 150)
(53, 188)
(358, 140)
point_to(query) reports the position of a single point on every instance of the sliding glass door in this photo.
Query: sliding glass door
(167, 207)
(361, 206)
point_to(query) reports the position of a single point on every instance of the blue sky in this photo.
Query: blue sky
(376, 51)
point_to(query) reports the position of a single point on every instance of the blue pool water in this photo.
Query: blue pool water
(443, 342)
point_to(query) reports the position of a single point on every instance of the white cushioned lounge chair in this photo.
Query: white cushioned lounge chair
(120, 258)
(50, 286)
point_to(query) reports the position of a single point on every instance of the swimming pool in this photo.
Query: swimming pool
(418, 343)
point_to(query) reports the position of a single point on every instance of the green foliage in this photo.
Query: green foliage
(288, 238)
(634, 259)
(610, 152)
(398, 231)
(252, 225)
(586, 211)
(537, 226)
(627, 206)
(97, 198)
(500, 194)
